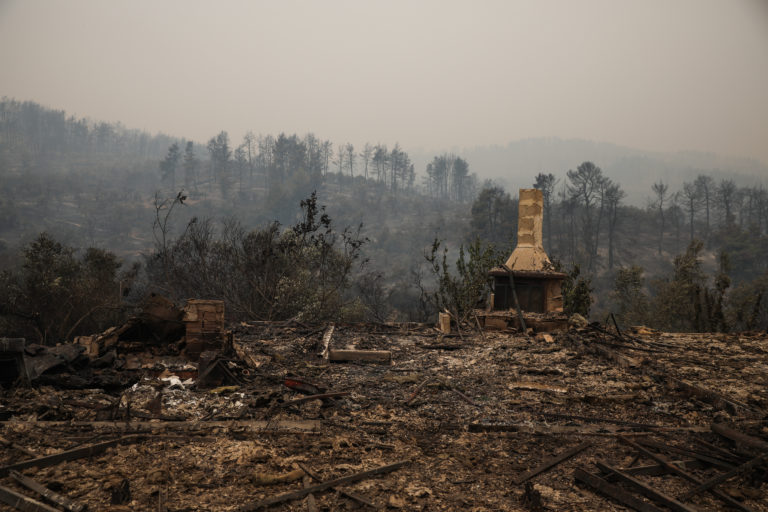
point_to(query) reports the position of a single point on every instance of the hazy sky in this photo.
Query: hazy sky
(652, 74)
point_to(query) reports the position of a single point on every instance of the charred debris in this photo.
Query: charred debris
(176, 411)
(518, 408)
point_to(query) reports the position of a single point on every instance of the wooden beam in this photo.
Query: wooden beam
(48, 494)
(711, 397)
(614, 491)
(551, 462)
(18, 447)
(514, 297)
(77, 453)
(314, 476)
(295, 495)
(707, 485)
(650, 492)
(276, 426)
(378, 356)
(679, 472)
(318, 396)
(660, 469)
(21, 502)
(714, 461)
(739, 437)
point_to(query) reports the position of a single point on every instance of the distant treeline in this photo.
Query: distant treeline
(266, 162)
(35, 137)
(587, 223)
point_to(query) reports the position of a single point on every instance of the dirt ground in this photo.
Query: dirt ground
(468, 415)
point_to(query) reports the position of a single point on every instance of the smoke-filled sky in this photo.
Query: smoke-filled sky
(433, 74)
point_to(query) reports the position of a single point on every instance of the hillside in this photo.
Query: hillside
(96, 184)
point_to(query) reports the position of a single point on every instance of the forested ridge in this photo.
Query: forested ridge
(153, 207)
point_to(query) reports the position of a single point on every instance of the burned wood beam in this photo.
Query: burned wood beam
(310, 501)
(679, 472)
(318, 396)
(378, 356)
(720, 451)
(551, 462)
(711, 397)
(537, 386)
(739, 437)
(707, 485)
(514, 297)
(690, 453)
(276, 426)
(17, 447)
(418, 390)
(614, 491)
(621, 360)
(647, 490)
(624, 345)
(660, 469)
(578, 430)
(443, 346)
(21, 502)
(601, 420)
(48, 494)
(294, 495)
(149, 416)
(77, 453)
(616, 324)
(314, 476)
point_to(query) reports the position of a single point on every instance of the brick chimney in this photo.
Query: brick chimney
(529, 253)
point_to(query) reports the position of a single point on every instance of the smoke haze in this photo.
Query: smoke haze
(433, 75)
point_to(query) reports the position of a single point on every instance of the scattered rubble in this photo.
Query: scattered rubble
(262, 416)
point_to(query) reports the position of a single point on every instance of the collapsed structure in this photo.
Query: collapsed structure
(528, 282)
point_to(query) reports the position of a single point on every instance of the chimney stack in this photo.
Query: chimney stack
(529, 253)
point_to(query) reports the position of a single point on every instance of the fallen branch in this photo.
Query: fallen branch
(465, 397)
(418, 390)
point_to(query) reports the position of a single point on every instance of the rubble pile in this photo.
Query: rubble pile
(287, 416)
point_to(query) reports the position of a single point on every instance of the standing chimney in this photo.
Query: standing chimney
(536, 284)
(529, 253)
